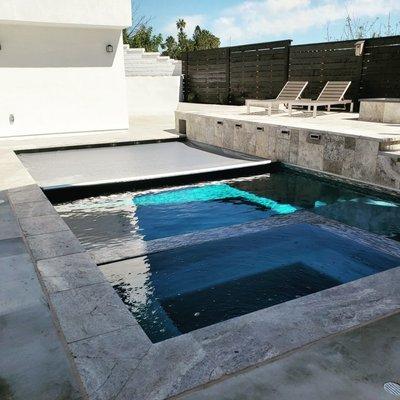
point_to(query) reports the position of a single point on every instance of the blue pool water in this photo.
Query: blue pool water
(187, 288)
(111, 220)
(179, 290)
(188, 210)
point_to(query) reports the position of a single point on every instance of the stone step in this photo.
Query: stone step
(163, 59)
(145, 61)
(390, 145)
(394, 154)
(149, 55)
(148, 71)
(132, 50)
(157, 67)
(138, 62)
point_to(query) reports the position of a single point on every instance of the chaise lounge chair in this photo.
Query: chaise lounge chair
(332, 94)
(290, 92)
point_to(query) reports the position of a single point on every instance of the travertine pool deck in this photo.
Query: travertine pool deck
(87, 345)
(333, 122)
(349, 366)
(33, 361)
(114, 357)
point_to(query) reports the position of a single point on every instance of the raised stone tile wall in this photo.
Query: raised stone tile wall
(347, 156)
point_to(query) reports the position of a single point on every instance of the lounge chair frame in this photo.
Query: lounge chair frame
(314, 104)
(282, 98)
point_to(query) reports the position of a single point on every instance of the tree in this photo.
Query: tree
(183, 42)
(171, 48)
(355, 28)
(202, 39)
(137, 24)
(143, 37)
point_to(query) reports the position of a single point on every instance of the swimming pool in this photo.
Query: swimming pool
(111, 220)
(177, 291)
(224, 262)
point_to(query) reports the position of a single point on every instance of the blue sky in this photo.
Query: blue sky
(251, 21)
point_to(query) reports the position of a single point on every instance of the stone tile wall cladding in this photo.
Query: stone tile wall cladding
(350, 157)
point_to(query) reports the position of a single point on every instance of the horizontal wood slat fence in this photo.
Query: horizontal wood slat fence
(229, 75)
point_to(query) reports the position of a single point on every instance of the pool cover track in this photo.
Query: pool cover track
(114, 357)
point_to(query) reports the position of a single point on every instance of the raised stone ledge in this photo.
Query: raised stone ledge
(342, 154)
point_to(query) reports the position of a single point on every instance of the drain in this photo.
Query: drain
(392, 388)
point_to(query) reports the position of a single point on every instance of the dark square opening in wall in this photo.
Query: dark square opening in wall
(182, 126)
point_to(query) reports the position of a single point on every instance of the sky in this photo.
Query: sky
(252, 21)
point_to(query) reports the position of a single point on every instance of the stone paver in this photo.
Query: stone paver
(89, 311)
(19, 286)
(34, 209)
(12, 247)
(53, 245)
(40, 225)
(9, 229)
(118, 354)
(33, 362)
(69, 272)
(26, 194)
(353, 365)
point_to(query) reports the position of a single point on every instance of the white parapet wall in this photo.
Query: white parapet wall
(97, 13)
(154, 83)
(153, 95)
(56, 75)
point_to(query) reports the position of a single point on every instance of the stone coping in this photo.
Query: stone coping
(138, 247)
(115, 358)
(287, 123)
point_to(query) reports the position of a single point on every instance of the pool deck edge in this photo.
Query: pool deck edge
(113, 355)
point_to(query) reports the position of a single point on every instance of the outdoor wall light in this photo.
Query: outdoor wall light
(109, 48)
(359, 48)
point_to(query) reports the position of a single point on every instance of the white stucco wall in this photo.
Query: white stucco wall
(153, 95)
(107, 13)
(61, 79)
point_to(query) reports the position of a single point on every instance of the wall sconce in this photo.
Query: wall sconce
(109, 48)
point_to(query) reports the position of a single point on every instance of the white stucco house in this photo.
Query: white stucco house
(61, 66)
